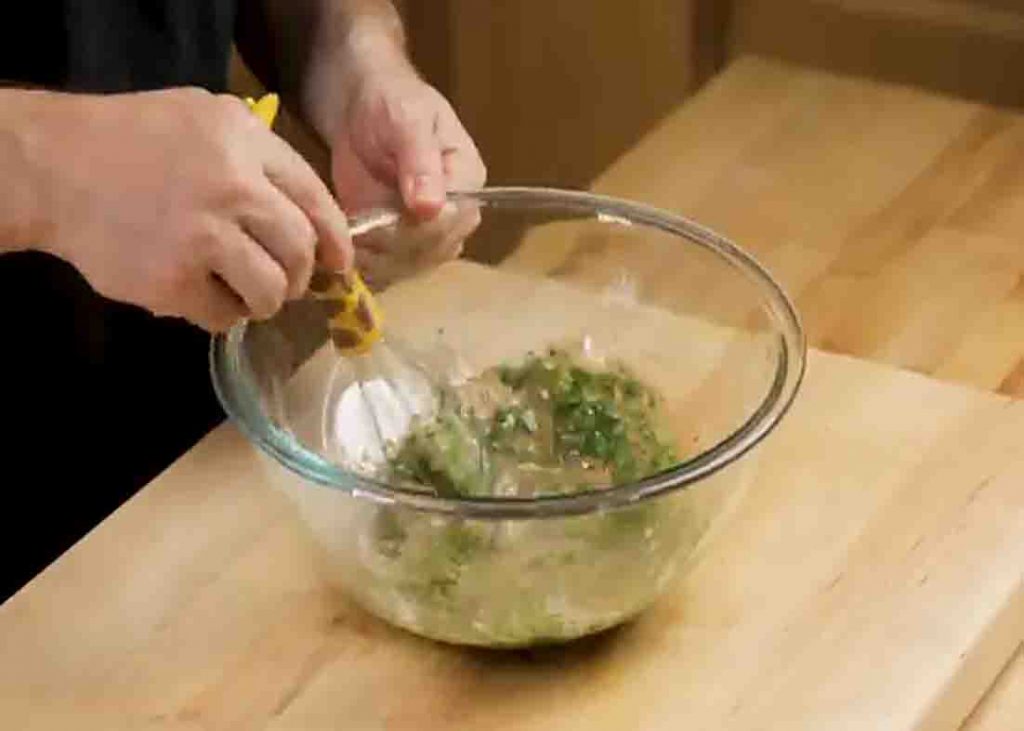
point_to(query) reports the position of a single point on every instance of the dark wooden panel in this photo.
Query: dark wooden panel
(974, 50)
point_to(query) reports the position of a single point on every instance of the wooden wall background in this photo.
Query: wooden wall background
(555, 90)
(969, 48)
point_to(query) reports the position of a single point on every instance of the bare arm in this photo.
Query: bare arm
(23, 222)
(313, 51)
(392, 136)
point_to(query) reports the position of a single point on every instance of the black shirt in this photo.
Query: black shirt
(118, 45)
(99, 396)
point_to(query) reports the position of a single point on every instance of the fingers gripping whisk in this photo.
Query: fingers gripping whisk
(378, 387)
(353, 317)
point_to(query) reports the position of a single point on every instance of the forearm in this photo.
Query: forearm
(24, 120)
(313, 51)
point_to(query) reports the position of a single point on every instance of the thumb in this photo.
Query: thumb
(420, 168)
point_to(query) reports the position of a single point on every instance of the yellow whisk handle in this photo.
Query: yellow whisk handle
(354, 319)
(266, 108)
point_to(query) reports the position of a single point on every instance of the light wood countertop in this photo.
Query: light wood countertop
(870, 578)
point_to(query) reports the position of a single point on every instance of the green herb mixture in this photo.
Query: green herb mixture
(548, 426)
(551, 425)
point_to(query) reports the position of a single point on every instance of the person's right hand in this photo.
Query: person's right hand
(182, 202)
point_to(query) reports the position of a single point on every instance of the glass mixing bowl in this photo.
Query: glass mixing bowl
(688, 311)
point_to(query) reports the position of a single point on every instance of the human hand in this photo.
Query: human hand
(182, 202)
(400, 142)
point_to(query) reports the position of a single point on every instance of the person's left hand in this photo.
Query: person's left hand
(400, 142)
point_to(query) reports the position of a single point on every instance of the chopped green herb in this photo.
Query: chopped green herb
(556, 426)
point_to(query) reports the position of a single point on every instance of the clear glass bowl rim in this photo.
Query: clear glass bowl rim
(242, 403)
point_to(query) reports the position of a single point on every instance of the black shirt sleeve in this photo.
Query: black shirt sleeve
(118, 45)
(99, 397)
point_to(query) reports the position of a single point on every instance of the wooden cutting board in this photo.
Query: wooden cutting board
(871, 578)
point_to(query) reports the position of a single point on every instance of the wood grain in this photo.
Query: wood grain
(869, 578)
(971, 48)
(891, 215)
(911, 254)
(1003, 707)
(553, 92)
